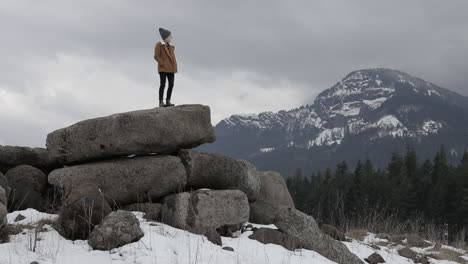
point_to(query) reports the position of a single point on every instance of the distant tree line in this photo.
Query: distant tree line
(432, 191)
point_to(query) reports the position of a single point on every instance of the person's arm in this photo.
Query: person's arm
(157, 52)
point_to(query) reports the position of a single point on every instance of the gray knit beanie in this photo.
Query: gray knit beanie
(164, 33)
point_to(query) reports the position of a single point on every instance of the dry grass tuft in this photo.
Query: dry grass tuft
(382, 243)
(357, 234)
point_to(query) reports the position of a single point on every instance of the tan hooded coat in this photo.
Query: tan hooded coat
(165, 57)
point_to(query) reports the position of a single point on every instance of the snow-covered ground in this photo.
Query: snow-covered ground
(164, 244)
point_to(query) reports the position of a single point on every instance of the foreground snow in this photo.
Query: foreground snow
(164, 244)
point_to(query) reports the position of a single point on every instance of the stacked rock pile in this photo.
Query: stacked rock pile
(145, 161)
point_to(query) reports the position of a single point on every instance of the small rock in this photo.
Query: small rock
(397, 239)
(421, 260)
(374, 247)
(117, 229)
(228, 249)
(407, 253)
(212, 235)
(415, 241)
(274, 236)
(19, 217)
(375, 259)
(333, 232)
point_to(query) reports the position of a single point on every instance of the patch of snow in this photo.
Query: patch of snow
(376, 103)
(430, 92)
(379, 82)
(266, 150)
(454, 152)
(430, 127)
(31, 216)
(388, 121)
(328, 137)
(346, 109)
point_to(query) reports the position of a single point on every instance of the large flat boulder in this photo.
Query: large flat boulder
(220, 172)
(304, 228)
(126, 180)
(13, 156)
(202, 212)
(162, 130)
(273, 193)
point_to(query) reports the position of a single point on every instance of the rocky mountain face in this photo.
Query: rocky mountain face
(369, 114)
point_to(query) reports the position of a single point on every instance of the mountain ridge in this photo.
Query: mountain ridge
(369, 106)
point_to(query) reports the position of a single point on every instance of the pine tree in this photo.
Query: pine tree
(353, 201)
(439, 181)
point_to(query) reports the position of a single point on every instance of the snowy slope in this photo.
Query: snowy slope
(164, 244)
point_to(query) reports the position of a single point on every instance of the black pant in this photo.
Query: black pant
(162, 79)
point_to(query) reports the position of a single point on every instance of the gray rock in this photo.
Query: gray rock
(263, 213)
(304, 228)
(159, 130)
(228, 249)
(407, 253)
(13, 156)
(3, 208)
(117, 229)
(220, 172)
(27, 184)
(127, 180)
(273, 193)
(152, 210)
(273, 236)
(3, 196)
(415, 241)
(4, 184)
(375, 259)
(19, 217)
(83, 209)
(202, 212)
(333, 232)
(273, 189)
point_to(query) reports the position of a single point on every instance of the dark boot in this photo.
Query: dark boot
(168, 102)
(161, 103)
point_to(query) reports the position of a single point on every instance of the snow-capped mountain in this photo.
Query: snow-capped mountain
(369, 114)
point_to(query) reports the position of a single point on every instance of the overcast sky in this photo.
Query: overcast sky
(62, 61)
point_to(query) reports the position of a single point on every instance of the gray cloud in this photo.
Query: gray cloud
(63, 61)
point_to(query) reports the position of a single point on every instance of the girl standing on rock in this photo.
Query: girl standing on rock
(167, 65)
